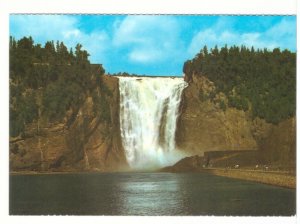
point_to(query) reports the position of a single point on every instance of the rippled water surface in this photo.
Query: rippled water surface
(145, 194)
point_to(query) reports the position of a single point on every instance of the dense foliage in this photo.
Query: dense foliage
(47, 81)
(261, 81)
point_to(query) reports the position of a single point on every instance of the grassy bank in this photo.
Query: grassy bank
(277, 178)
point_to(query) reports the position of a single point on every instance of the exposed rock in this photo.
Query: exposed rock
(279, 145)
(188, 164)
(204, 126)
(104, 149)
(90, 143)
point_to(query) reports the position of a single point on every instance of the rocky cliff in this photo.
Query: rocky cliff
(92, 141)
(206, 124)
(88, 142)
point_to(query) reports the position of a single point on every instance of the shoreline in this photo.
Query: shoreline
(275, 178)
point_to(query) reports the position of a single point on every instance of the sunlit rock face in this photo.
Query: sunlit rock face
(88, 143)
(149, 110)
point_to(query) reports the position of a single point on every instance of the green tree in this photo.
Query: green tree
(262, 80)
(61, 79)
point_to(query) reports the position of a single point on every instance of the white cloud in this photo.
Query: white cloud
(60, 27)
(144, 55)
(71, 33)
(147, 43)
(283, 28)
(281, 35)
(96, 43)
(149, 38)
(146, 40)
(41, 26)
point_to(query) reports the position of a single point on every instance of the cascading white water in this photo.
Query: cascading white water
(148, 113)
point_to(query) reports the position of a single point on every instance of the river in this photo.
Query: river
(153, 194)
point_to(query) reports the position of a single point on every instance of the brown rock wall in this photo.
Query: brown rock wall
(90, 143)
(203, 126)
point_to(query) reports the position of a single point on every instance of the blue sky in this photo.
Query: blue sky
(154, 45)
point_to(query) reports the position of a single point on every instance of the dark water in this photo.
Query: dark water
(146, 194)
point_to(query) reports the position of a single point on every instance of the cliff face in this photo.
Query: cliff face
(104, 148)
(93, 143)
(204, 125)
(279, 145)
(89, 143)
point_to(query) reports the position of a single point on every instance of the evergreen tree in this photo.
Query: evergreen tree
(262, 80)
(50, 73)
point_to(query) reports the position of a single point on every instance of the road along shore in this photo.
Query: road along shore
(277, 178)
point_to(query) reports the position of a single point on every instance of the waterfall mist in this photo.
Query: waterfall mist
(148, 112)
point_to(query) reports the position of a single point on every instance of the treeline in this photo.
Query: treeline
(261, 81)
(124, 74)
(47, 81)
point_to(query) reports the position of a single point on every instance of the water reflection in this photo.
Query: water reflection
(144, 197)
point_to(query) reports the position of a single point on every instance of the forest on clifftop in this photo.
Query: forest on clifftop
(48, 81)
(258, 80)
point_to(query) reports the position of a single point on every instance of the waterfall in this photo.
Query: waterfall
(148, 112)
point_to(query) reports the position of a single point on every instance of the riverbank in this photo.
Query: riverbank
(277, 178)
